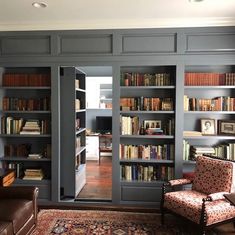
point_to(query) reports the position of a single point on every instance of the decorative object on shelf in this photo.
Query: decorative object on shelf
(208, 127)
(152, 124)
(226, 127)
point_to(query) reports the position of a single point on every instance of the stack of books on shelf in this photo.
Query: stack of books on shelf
(33, 174)
(145, 79)
(77, 85)
(146, 104)
(77, 104)
(19, 104)
(209, 79)
(20, 150)
(192, 133)
(138, 172)
(196, 151)
(10, 125)
(222, 103)
(23, 79)
(129, 125)
(147, 152)
(35, 155)
(31, 127)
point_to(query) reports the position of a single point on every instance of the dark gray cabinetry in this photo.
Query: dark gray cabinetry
(26, 97)
(147, 96)
(73, 131)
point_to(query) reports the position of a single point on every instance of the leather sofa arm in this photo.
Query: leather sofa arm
(22, 192)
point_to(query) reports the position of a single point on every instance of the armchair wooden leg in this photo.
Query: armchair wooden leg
(162, 216)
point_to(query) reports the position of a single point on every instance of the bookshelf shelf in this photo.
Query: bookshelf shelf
(80, 90)
(26, 159)
(23, 136)
(146, 87)
(80, 130)
(199, 96)
(26, 98)
(157, 104)
(147, 112)
(80, 111)
(27, 112)
(25, 87)
(73, 131)
(142, 183)
(148, 136)
(145, 161)
(209, 112)
(214, 137)
(209, 87)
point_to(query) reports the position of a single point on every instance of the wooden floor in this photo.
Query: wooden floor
(99, 180)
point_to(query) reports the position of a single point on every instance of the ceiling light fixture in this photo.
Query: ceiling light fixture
(196, 0)
(39, 4)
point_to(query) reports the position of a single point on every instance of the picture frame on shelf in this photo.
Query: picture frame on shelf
(226, 127)
(152, 124)
(208, 127)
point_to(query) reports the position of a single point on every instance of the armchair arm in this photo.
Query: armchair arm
(179, 182)
(21, 192)
(216, 196)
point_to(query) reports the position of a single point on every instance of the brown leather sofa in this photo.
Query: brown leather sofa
(18, 210)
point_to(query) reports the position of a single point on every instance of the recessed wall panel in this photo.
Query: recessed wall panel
(86, 44)
(25, 45)
(164, 43)
(210, 42)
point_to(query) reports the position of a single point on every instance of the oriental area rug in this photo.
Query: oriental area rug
(97, 222)
(86, 222)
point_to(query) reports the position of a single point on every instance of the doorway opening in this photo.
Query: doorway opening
(98, 185)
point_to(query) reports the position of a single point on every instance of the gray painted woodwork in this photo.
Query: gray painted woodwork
(188, 49)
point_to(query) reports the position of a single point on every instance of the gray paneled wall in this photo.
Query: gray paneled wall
(184, 48)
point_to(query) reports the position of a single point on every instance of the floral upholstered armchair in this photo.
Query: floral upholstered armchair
(204, 204)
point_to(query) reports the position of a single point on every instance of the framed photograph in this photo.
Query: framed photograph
(226, 127)
(152, 124)
(208, 127)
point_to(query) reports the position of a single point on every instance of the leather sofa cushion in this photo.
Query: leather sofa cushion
(5, 228)
(17, 211)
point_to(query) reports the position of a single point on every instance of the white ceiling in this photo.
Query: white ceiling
(113, 14)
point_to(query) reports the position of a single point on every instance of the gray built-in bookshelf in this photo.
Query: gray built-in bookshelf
(148, 67)
(26, 125)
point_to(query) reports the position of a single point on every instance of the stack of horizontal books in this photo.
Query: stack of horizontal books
(33, 174)
(31, 127)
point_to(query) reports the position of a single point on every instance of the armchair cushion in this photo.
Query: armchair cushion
(180, 182)
(217, 196)
(212, 175)
(188, 204)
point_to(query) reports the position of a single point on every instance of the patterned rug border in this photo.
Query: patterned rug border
(48, 218)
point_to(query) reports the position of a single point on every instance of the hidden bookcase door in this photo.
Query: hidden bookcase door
(209, 97)
(73, 131)
(147, 136)
(25, 138)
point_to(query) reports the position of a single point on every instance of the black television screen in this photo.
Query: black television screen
(104, 124)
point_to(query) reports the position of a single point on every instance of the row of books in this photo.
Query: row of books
(140, 79)
(226, 151)
(147, 152)
(222, 103)
(10, 125)
(146, 104)
(19, 104)
(138, 172)
(23, 79)
(209, 79)
(25, 150)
